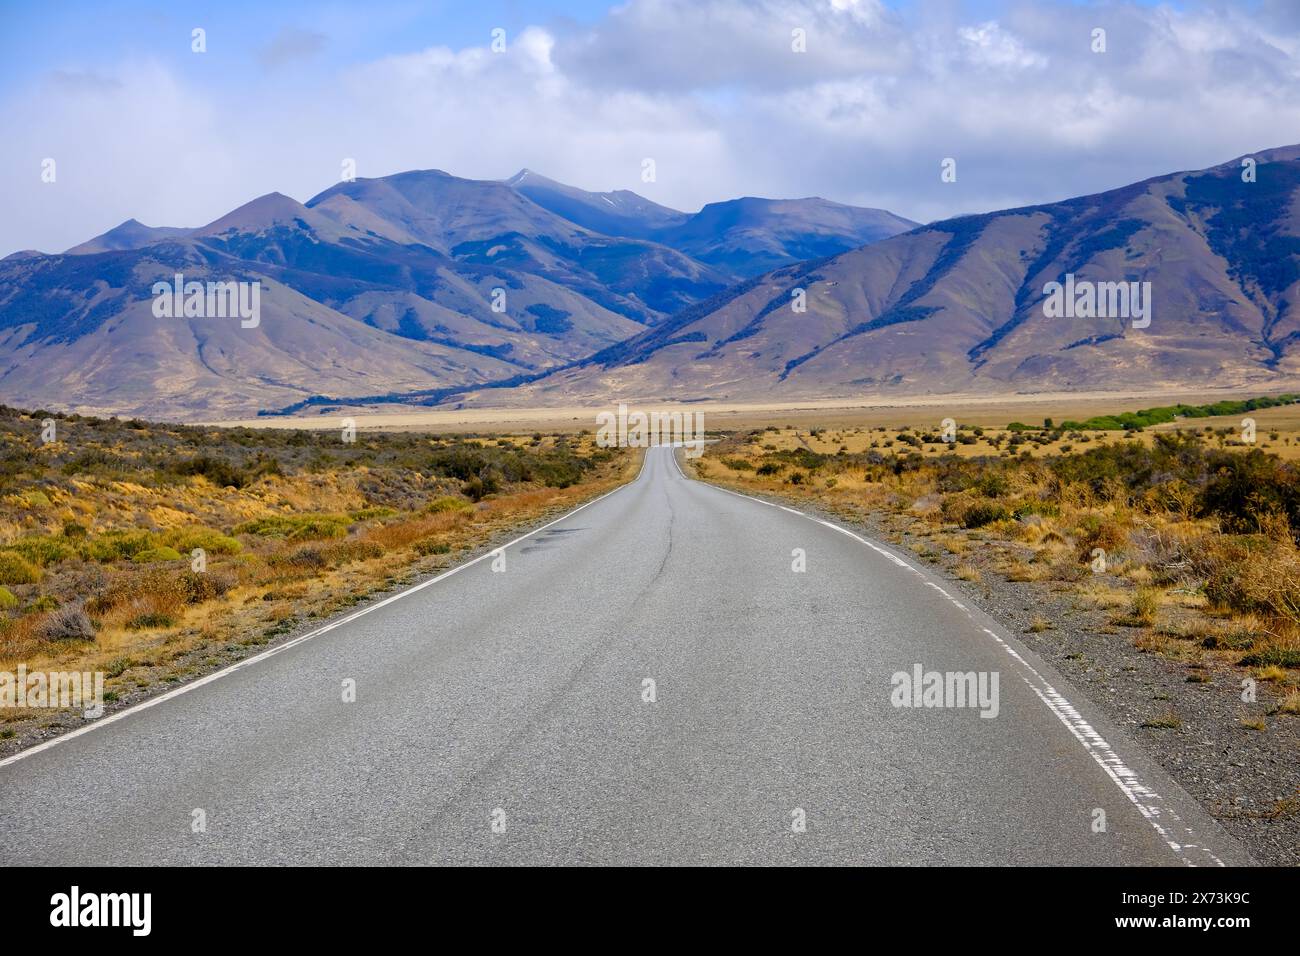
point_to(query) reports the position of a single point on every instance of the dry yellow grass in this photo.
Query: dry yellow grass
(1172, 582)
(156, 623)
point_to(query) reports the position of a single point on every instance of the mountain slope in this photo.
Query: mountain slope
(617, 213)
(958, 306)
(742, 237)
(342, 313)
(489, 223)
(750, 236)
(131, 234)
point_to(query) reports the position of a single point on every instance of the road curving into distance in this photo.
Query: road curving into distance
(507, 716)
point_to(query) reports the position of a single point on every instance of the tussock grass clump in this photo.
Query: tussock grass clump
(154, 555)
(69, 623)
(408, 533)
(1166, 721)
(1146, 606)
(15, 569)
(208, 539)
(447, 503)
(299, 527)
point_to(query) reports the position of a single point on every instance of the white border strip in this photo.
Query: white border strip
(1177, 835)
(281, 648)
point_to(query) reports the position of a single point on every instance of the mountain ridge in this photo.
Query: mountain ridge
(394, 283)
(955, 306)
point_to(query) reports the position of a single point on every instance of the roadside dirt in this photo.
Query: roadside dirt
(1189, 717)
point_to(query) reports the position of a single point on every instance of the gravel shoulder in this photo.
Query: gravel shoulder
(1246, 779)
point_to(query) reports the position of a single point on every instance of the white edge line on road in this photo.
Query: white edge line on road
(303, 638)
(1149, 803)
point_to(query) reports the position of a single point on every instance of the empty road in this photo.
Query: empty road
(508, 717)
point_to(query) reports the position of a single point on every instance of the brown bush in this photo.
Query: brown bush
(156, 591)
(347, 551)
(70, 623)
(1097, 530)
(1165, 551)
(972, 511)
(405, 534)
(1255, 573)
(205, 586)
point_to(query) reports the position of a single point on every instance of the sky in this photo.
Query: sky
(140, 125)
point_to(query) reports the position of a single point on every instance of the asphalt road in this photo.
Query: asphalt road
(501, 717)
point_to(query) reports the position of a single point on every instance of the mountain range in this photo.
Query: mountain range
(957, 307)
(416, 281)
(384, 288)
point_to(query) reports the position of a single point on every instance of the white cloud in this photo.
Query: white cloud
(989, 45)
(711, 89)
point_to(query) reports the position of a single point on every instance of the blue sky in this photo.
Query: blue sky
(89, 34)
(711, 89)
(95, 34)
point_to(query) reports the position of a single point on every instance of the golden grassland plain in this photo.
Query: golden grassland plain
(101, 532)
(919, 412)
(1277, 432)
(98, 528)
(1198, 532)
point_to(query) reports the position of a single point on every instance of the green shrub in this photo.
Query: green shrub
(983, 512)
(118, 666)
(15, 569)
(480, 486)
(372, 513)
(1047, 509)
(447, 503)
(306, 557)
(992, 484)
(114, 545)
(302, 527)
(150, 620)
(36, 499)
(186, 540)
(1146, 606)
(1273, 656)
(1243, 488)
(217, 470)
(161, 553)
(7, 598)
(43, 549)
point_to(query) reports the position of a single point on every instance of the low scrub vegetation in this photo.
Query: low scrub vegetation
(1191, 545)
(153, 548)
